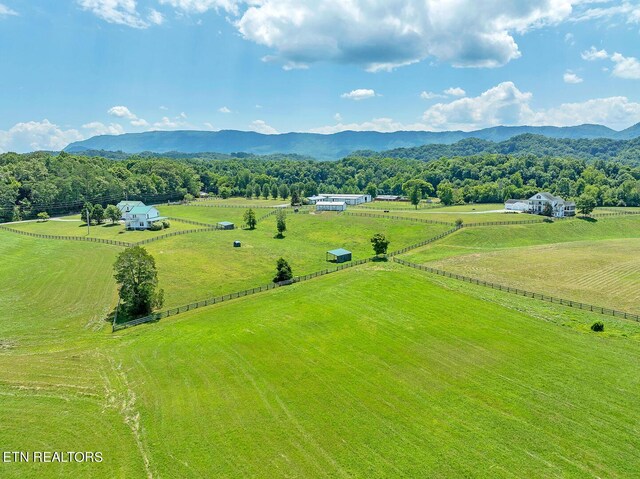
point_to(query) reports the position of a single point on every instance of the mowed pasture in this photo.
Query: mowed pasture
(378, 371)
(398, 205)
(57, 388)
(72, 226)
(605, 273)
(211, 214)
(242, 202)
(494, 238)
(203, 265)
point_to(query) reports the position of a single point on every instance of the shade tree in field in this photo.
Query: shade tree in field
(137, 277)
(43, 216)
(250, 219)
(445, 193)
(283, 191)
(283, 271)
(380, 244)
(281, 222)
(415, 196)
(112, 213)
(585, 204)
(85, 212)
(97, 214)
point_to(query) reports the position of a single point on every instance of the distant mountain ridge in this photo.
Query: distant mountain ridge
(325, 147)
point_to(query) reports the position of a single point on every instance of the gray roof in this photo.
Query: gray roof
(515, 201)
(225, 223)
(339, 252)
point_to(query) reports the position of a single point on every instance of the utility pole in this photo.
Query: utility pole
(88, 223)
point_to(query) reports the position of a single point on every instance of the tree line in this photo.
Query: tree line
(59, 183)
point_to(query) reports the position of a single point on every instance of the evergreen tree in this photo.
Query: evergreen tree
(283, 271)
(250, 219)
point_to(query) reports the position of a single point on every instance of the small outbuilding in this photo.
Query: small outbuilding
(339, 255)
(225, 225)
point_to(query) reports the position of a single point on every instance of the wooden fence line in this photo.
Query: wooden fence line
(522, 292)
(70, 238)
(240, 294)
(393, 217)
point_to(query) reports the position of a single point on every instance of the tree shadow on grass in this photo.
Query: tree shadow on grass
(279, 236)
(588, 219)
(379, 259)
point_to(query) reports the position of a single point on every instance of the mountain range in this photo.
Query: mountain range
(325, 147)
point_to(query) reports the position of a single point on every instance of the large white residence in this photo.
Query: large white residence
(339, 198)
(559, 207)
(126, 206)
(142, 217)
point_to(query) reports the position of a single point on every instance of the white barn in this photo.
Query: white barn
(331, 206)
(142, 217)
(340, 198)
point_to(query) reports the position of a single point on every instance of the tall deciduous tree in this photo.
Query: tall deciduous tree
(136, 273)
(415, 196)
(86, 211)
(97, 214)
(250, 219)
(281, 222)
(380, 244)
(585, 204)
(112, 213)
(283, 271)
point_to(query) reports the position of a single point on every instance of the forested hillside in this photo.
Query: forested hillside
(627, 151)
(36, 182)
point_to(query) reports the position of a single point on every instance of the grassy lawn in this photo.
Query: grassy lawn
(210, 215)
(397, 205)
(106, 231)
(203, 265)
(242, 202)
(55, 388)
(603, 273)
(416, 380)
(493, 238)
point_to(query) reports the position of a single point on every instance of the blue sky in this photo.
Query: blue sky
(76, 68)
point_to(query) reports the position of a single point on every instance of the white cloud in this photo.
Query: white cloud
(121, 12)
(37, 135)
(457, 91)
(384, 34)
(224, 109)
(164, 108)
(625, 67)
(209, 126)
(627, 10)
(338, 117)
(97, 128)
(570, 77)
(377, 124)
(201, 6)
(261, 127)
(429, 95)
(122, 112)
(155, 17)
(359, 94)
(140, 122)
(570, 39)
(505, 104)
(167, 123)
(6, 11)
(594, 54)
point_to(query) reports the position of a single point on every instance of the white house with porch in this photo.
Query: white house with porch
(559, 207)
(142, 217)
(126, 206)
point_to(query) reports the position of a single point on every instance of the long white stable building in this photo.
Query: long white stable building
(331, 206)
(351, 200)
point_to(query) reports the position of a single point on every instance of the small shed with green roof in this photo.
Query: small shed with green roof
(339, 255)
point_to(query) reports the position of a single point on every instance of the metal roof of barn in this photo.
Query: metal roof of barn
(339, 252)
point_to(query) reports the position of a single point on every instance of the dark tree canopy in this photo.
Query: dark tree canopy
(137, 276)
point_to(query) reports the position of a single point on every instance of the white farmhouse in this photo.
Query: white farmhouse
(142, 217)
(126, 206)
(559, 207)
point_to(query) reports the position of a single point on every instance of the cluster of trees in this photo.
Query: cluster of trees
(60, 183)
(32, 183)
(98, 214)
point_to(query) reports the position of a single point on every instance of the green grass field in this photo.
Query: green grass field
(375, 371)
(243, 202)
(203, 265)
(398, 205)
(211, 215)
(605, 273)
(493, 238)
(105, 231)
(415, 381)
